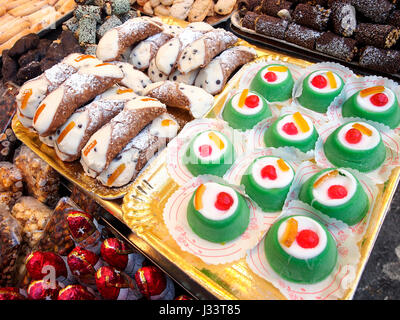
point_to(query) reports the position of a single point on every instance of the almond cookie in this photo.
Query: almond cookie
(223, 7)
(199, 10)
(180, 9)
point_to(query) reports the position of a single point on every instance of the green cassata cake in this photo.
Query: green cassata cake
(245, 109)
(336, 193)
(292, 130)
(274, 82)
(267, 181)
(374, 103)
(356, 145)
(209, 152)
(300, 249)
(217, 213)
(320, 88)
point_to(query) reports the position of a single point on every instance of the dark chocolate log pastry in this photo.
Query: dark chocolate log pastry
(273, 7)
(376, 10)
(315, 17)
(271, 26)
(336, 46)
(302, 36)
(343, 17)
(249, 20)
(377, 35)
(380, 59)
(394, 18)
(247, 5)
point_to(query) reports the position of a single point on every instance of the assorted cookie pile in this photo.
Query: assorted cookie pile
(365, 31)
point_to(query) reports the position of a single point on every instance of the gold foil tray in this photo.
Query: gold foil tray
(142, 211)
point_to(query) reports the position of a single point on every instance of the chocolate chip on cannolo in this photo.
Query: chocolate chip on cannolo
(200, 52)
(376, 10)
(34, 91)
(382, 60)
(315, 17)
(377, 35)
(343, 17)
(302, 36)
(249, 20)
(110, 140)
(154, 74)
(271, 26)
(109, 23)
(71, 137)
(336, 46)
(77, 90)
(272, 7)
(186, 78)
(215, 75)
(146, 50)
(133, 79)
(168, 54)
(117, 40)
(196, 100)
(133, 158)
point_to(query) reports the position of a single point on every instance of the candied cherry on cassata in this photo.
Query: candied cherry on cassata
(224, 201)
(353, 136)
(319, 82)
(252, 101)
(205, 150)
(307, 239)
(270, 76)
(379, 99)
(290, 128)
(337, 192)
(269, 172)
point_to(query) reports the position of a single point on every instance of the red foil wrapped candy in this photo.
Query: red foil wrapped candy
(154, 284)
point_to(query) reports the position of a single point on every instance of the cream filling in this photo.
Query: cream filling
(164, 131)
(133, 79)
(200, 101)
(87, 62)
(204, 139)
(187, 78)
(108, 46)
(103, 70)
(167, 55)
(366, 142)
(39, 87)
(154, 73)
(300, 135)
(140, 55)
(211, 77)
(283, 179)
(320, 193)
(192, 56)
(366, 104)
(209, 198)
(327, 88)
(304, 253)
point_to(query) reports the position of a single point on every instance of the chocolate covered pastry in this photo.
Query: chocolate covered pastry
(343, 17)
(377, 35)
(273, 7)
(336, 46)
(380, 59)
(271, 26)
(302, 36)
(315, 17)
(249, 20)
(376, 10)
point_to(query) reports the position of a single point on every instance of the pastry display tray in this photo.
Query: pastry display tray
(143, 212)
(293, 49)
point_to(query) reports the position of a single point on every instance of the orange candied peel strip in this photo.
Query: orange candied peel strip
(103, 64)
(242, 98)
(38, 112)
(116, 174)
(290, 234)
(213, 137)
(121, 91)
(148, 99)
(66, 130)
(282, 165)
(83, 57)
(25, 98)
(331, 79)
(198, 202)
(324, 177)
(363, 129)
(371, 90)
(89, 148)
(278, 68)
(167, 122)
(301, 122)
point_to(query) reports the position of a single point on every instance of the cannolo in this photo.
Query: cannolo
(302, 36)
(196, 100)
(154, 73)
(168, 54)
(315, 17)
(128, 163)
(34, 91)
(104, 145)
(336, 46)
(271, 26)
(200, 52)
(134, 79)
(117, 40)
(70, 138)
(215, 75)
(186, 78)
(377, 11)
(343, 18)
(145, 51)
(377, 35)
(382, 60)
(77, 90)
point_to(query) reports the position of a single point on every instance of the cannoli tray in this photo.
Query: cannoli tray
(143, 210)
(296, 50)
